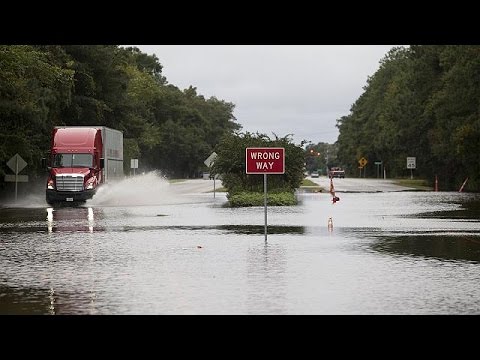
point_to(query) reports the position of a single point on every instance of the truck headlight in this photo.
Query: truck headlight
(50, 185)
(90, 183)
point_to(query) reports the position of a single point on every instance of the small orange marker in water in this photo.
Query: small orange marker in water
(330, 224)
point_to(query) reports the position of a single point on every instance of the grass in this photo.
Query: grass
(418, 184)
(247, 198)
(175, 180)
(310, 186)
(219, 189)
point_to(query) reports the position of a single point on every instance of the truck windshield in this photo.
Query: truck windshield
(72, 160)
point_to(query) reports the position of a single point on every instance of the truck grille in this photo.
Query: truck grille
(70, 182)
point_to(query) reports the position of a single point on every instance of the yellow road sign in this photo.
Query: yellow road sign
(362, 162)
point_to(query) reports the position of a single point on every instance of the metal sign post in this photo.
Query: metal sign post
(134, 165)
(411, 164)
(362, 162)
(16, 177)
(378, 164)
(265, 202)
(16, 163)
(265, 161)
(209, 162)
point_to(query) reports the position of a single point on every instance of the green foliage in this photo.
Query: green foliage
(418, 184)
(230, 163)
(321, 156)
(131, 150)
(245, 199)
(423, 102)
(44, 86)
(33, 91)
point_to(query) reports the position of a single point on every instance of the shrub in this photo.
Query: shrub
(249, 198)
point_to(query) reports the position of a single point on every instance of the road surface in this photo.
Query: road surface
(359, 185)
(192, 186)
(195, 186)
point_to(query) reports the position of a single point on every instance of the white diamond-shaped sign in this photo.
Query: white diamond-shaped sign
(16, 163)
(210, 160)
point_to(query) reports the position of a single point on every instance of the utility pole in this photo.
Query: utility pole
(326, 161)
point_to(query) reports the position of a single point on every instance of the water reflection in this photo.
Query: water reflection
(446, 247)
(19, 301)
(51, 297)
(266, 279)
(23, 300)
(73, 219)
(260, 229)
(467, 211)
(236, 229)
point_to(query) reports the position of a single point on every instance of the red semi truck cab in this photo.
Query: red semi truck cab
(81, 158)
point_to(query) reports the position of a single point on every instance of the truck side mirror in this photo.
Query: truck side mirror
(102, 163)
(44, 163)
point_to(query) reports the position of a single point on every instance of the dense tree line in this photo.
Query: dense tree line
(424, 102)
(321, 157)
(45, 86)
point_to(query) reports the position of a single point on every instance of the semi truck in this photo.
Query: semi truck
(80, 159)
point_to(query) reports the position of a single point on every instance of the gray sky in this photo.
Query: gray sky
(282, 89)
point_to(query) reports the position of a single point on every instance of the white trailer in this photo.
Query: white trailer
(112, 153)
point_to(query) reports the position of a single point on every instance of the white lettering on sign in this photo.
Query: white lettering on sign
(265, 155)
(264, 165)
(265, 160)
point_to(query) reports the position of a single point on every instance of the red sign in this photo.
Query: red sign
(265, 160)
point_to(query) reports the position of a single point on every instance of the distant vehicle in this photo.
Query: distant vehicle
(208, 176)
(315, 174)
(336, 172)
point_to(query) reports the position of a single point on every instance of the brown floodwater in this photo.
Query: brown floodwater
(166, 253)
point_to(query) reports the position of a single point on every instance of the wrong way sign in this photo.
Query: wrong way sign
(265, 160)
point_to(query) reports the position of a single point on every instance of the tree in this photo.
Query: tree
(43, 86)
(422, 102)
(34, 89)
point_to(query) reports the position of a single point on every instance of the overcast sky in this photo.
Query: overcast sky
(282, 89)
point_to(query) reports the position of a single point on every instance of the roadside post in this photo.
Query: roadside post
(209, 162)
(411, 164)
(265, 161)
(362, 162)
(17, 164)
(134, 165)
(378, 164)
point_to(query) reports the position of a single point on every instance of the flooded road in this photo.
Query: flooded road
(149, 247)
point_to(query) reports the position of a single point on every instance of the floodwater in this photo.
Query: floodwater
(142, 247)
